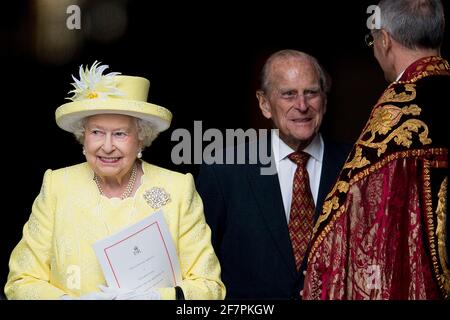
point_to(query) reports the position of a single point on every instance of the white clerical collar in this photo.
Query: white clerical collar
(400, 75)
(281, 150)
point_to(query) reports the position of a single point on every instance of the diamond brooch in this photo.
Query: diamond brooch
(156, 197)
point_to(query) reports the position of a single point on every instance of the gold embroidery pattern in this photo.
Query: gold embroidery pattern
(385, 117)
(441, 213)
(391, 96)
(329, 205)
(332, 204)
(433, 66)
(382, 121)
(342, 186)
(357, 162)
(402, 136)
(375, 167)
(426, 74)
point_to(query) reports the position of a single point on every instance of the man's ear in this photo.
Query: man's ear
(264, 104)
(386, 40)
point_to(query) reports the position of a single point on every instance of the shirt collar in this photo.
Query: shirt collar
(281, 150)
(400, 75)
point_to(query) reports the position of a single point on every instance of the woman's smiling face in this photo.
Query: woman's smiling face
(111, 144)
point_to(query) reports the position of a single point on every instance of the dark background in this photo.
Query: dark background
(203, 61)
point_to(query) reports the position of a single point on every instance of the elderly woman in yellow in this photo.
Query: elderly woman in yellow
(84, 203)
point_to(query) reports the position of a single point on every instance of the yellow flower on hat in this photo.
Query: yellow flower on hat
(94, 84)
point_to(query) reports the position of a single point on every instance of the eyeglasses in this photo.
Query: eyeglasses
(369, 39)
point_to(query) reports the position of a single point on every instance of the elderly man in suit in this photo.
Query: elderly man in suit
(262, 223)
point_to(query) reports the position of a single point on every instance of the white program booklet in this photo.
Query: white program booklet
(140, 256)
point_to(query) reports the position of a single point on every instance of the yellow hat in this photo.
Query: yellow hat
(96, 93)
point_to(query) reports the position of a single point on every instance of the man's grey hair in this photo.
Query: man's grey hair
(414, 23)
(146, 132)
(324, 78)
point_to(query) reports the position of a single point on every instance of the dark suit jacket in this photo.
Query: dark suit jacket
(249, 229)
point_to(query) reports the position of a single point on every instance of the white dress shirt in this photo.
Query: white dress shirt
(286, 168)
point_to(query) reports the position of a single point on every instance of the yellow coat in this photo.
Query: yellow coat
(55, 255)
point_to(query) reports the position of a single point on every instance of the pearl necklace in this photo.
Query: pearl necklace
(129, 188)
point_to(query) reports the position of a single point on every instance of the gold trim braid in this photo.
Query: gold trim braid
(441, 233)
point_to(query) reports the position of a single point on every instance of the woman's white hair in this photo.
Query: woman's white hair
(146, 132)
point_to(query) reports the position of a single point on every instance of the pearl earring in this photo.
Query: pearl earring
(84, 152)
(139, 155)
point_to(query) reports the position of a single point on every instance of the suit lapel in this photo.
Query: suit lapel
(267, 193)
